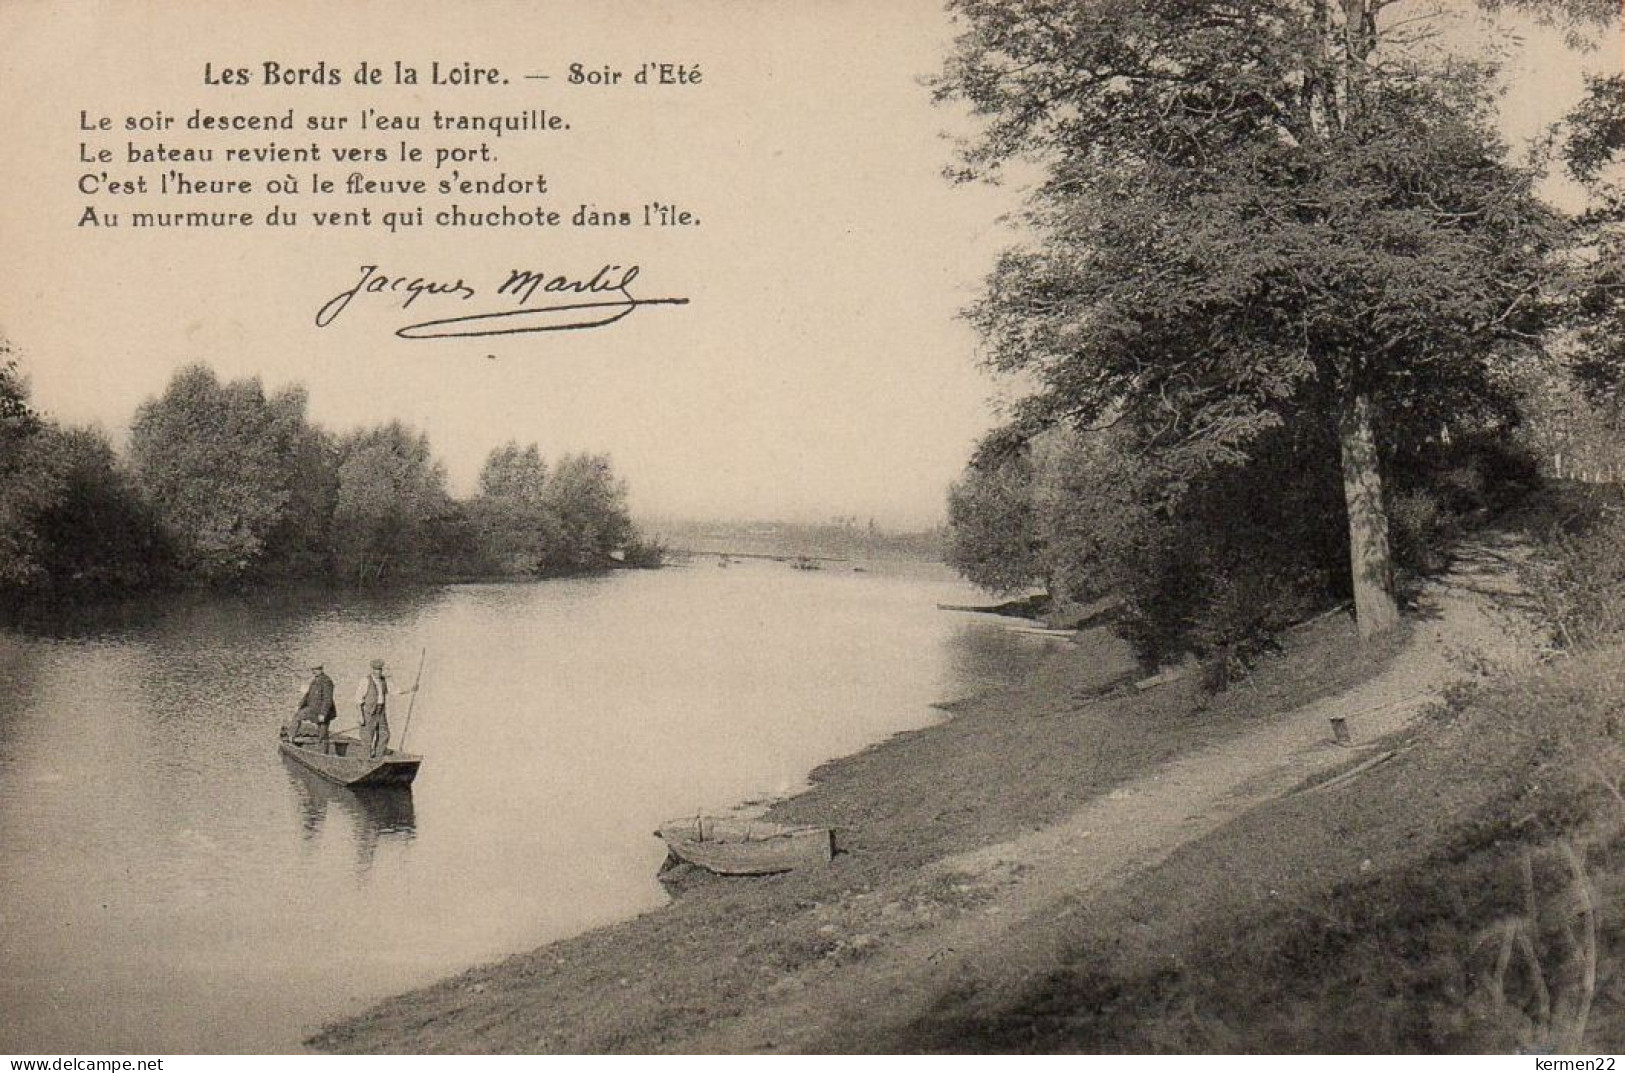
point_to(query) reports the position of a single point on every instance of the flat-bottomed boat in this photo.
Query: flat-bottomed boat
(733, 847)
(345, 760)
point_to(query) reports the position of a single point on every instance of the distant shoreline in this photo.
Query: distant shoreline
(35, 608)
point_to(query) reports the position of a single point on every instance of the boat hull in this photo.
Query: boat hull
(747, 847)
(349, 765)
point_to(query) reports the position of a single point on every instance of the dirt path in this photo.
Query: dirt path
(895, 967)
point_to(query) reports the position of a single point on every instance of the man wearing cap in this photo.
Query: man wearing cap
(372, 695)
(315, 706)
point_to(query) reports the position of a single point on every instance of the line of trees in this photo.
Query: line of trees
(1281, 275)
(225, 485)
(69, 514)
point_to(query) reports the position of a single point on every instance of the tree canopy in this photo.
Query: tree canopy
(589, 502)
(1253, 215)
(389, 488)
(69, 517)
(994, 538)
(1596, 139)
(225, 485)
(217, 461)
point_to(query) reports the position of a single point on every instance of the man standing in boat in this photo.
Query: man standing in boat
(372, 695)
(316, 704)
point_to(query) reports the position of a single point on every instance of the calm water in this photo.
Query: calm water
(168, 883)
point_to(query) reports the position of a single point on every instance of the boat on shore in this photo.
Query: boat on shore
(733, 847)
(345, 760)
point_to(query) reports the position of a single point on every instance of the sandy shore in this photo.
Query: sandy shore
(958, 839)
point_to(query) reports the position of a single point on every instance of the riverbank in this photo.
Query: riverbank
(964, 841)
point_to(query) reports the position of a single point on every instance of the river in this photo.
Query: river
(170, 884)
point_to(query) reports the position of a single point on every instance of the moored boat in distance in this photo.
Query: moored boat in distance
(732, 847)
(345, 760)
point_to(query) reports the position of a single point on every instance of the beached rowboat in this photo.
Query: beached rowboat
(345, 761)
(746, 847)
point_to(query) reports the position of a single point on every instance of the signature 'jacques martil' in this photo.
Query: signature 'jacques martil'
(541, 301)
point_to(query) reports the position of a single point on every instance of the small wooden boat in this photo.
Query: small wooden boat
(745, 847)
(344, 760)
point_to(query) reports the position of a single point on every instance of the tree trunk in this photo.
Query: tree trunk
(1369, 558)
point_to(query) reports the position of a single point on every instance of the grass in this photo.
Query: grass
(1465, 896)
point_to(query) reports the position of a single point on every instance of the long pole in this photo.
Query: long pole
(413, 703)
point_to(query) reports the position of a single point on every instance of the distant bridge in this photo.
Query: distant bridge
(777, 557)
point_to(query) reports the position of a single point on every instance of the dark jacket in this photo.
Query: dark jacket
(318, 702)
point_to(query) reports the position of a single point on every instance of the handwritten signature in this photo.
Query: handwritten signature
(567, 302)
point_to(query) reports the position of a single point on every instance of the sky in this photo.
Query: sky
(819, 367)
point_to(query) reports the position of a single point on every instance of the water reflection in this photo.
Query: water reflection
(376, 813)
(80, 620)
(155, 847)
(19, 672)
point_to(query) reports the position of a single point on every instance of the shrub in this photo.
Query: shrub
(1577, 583)
(644, 553)
(1419, 531)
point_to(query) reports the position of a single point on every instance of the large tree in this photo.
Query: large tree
(994, 536)
(1252, 214)
(589, 502)
(95, 534)
(27, 485)
(69, 516)
(219, 463)
(517, 525)
(1593, 150)
(300, 545)
(390, 488)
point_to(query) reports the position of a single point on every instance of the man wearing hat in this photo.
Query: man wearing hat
(315, 706)
(372, 695)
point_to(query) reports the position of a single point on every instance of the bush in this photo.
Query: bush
(1419, 531)
(1246, 552)
(1241, 621)
(1476, 473)
(644, 553)
(1577, 583)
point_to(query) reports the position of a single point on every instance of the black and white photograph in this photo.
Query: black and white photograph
(723, 527)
